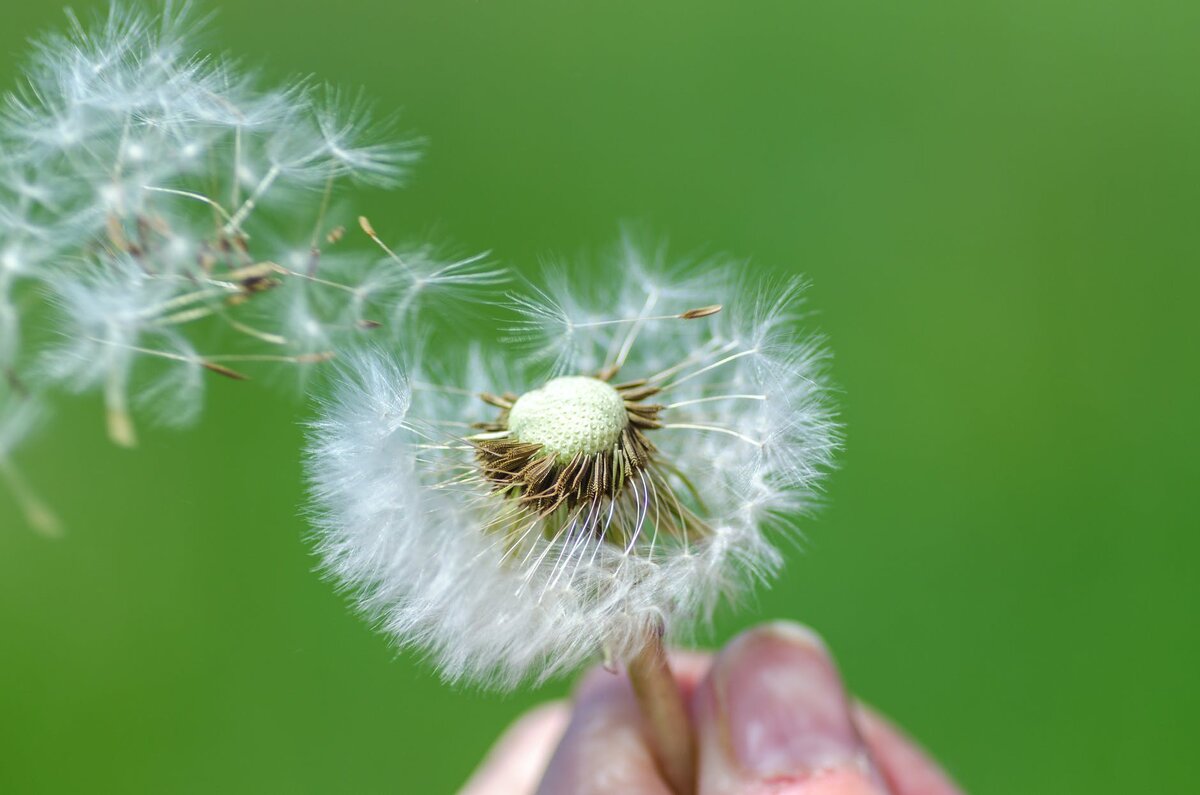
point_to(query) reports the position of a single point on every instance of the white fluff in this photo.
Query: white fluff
(140, 177)
(401, 512)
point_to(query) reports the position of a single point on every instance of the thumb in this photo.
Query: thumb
(772, 716)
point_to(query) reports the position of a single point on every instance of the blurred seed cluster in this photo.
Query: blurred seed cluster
(153, 195)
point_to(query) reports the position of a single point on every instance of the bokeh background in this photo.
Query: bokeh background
(997, 205)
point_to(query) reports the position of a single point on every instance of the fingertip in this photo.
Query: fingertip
(515, 763)
(773, 716)
(690, 667)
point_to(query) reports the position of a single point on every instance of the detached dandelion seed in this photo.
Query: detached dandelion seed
(514, 522)
(140, 180)
(19, 415)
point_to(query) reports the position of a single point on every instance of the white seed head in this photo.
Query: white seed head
(514, 522)
(569, 416)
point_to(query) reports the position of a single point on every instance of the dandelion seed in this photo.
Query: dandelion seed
(353, 140)
(19, 415)
(140, 184)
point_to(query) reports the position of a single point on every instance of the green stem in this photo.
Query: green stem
(666, 715)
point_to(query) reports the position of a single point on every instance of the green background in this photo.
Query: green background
(997, 205)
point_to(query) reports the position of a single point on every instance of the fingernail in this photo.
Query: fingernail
(785, 708)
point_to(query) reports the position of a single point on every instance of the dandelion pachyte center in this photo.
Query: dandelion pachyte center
(570, 416)
(575, 444)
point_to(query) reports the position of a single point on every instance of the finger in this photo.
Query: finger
(604, 749)
(904, 765)
(773, 717)
(517, 760)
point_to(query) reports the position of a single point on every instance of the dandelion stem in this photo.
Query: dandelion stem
(117, 399)
(690, 314)
(37, 513)
(665, 714)
(251, 331)
(713, 366)
(234, 224)
(316, 357)
(631, 337)
(120, 424)
(187, 194)
(325, 197)
(357, 291)
(713, 399)
(237, 168)
(715, 429)
(370, 232)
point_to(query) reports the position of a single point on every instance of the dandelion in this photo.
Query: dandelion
(596, 478)
(19, 416)
(142, 186)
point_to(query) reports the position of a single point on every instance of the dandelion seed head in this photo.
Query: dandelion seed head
(514, 515)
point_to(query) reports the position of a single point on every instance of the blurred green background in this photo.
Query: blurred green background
(997, 205)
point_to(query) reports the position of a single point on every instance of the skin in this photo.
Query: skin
(771, 717)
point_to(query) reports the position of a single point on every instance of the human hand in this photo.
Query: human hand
(771, 718)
